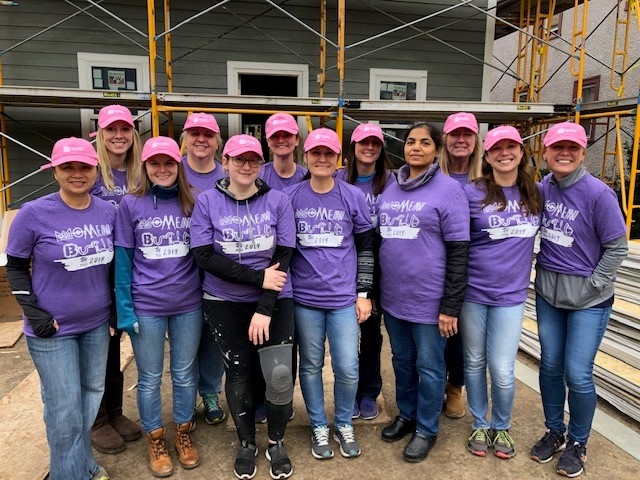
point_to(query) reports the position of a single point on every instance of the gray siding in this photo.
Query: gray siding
(202, 48)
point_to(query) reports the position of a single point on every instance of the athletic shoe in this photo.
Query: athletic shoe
(349, 447)
(479, 442)
(550, 444)
(261, 414)
(101, 474)
(245, 465)
(572, 460)
(280, 463)
(368, 408)
(320, 447)
(503, 445)
(213, 414)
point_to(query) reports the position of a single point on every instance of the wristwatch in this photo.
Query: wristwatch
(364, 295)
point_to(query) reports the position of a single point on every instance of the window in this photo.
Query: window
(590, 93)
(555, 26)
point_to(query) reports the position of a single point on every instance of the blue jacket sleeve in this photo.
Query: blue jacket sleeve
(127, 319)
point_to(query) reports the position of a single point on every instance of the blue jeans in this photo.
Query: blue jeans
(314, 325)
(569, 340)
(418, 363)
(490, 337)
(210, 364)
(148, 347)
(71, 370)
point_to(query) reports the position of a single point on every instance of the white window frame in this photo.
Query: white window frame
(378, 75)
(235, 69)
(87, 60)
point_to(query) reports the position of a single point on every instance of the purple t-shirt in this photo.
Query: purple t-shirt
(501, 248)
(324, 266)
(461, 178)
(414, 226)
(245, 232)
(120, 188)
(367, 189)
(576, 222)
(71, 251)
(275, 181)
(203, 181)
(165, 279)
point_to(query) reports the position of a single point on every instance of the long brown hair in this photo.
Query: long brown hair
(530, 198)
(383, 167)
(132, 162)
(185, 195)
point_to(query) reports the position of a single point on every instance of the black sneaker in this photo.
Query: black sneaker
(245, 466)
(550, 444)
(572, 460)
(280, 463)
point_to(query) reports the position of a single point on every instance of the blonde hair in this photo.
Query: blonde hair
(217, 136)
(132, 161)
(475, 160)
(185, 195)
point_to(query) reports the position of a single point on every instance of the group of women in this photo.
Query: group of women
(241, 263)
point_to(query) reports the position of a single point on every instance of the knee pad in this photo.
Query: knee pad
(276, 370)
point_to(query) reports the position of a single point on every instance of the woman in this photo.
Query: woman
(332, 273)
(461, 159)
(283, 138)
(505, 207)
(583, 242)
(66, 239)
(369, 169)
(424, 216)
(157, 292)
(118, 146)
(243, 237)
(202, 142)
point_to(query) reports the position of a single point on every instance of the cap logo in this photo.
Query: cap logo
(113, 111)
(68, 149)
(567, 130)
(460, 119)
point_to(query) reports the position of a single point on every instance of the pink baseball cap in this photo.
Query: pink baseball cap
(239, 144)
(365, 130)
(461, 120)
(503, 132)
(113, 113)
(573, 132)
(72, 149)
(281, 122)
(161, 146)
(203, 120)
(323, 137)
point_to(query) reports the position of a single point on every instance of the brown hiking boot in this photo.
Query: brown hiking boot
(106, 440)
(454, 407)
(159, 460)
(128, 430)
(187, 452)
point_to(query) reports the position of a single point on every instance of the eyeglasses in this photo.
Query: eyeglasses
(253, 162)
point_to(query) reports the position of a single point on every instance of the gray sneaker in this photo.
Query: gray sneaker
(349, 448)
(320, 447)
(503, 445)
(479, 442)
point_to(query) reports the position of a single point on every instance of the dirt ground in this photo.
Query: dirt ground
(218, 444)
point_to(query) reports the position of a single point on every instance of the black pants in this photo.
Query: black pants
(454, 360)
(370, 379)
(111, 405)
(244, 385)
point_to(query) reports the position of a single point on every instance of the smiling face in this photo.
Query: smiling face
(283, 144)
(368, 150)
(201, 143)
(564, 157)
(460, 143)
(419, 150)
(243, 169)
(505, 156)
(321, 161)
(118, 138)
(162, 170)
(75, 178)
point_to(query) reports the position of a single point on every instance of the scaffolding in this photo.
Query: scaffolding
(530, 18)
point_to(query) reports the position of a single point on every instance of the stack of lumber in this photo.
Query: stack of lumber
(617, 365)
